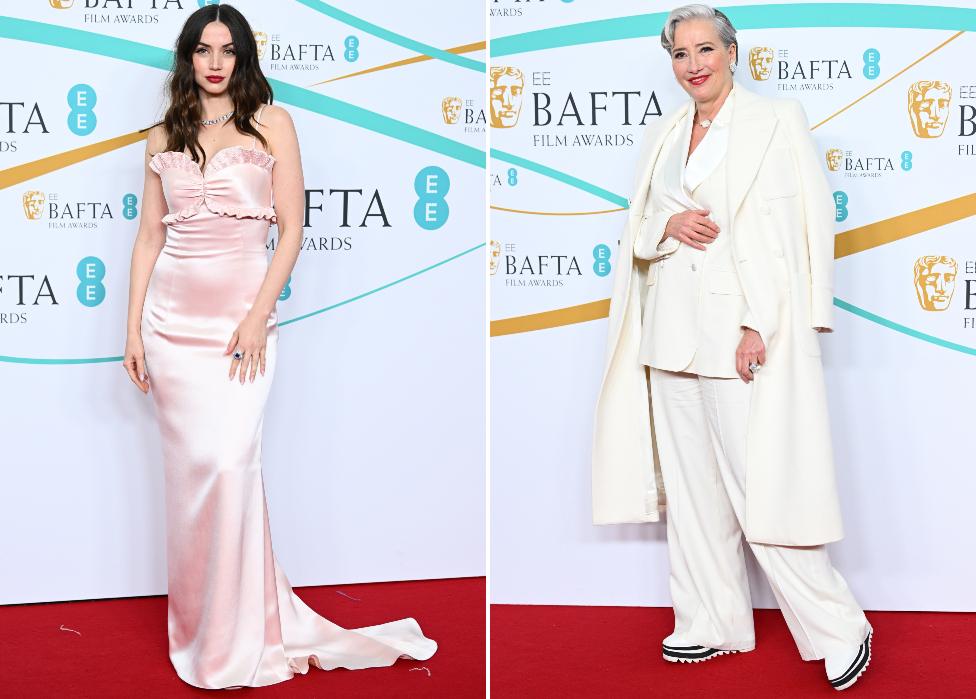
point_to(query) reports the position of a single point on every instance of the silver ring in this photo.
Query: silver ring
(754, 367)
(238, 355)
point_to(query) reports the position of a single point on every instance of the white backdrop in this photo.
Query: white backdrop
(374, 433)
(900, 377)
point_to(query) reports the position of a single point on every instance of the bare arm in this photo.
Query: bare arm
(288, 187)
(149, 241)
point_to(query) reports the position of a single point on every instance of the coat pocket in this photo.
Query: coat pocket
(777, 177)
(721, 281)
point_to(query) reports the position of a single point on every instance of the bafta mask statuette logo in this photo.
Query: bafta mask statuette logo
(62, 4)
(494, 255)
(451, 109)
(760, 62)
(928, 107)
(507, 85)
(261, 39)
(935, 280)
(834, 157)
(33, 201)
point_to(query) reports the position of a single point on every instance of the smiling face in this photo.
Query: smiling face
(214, 55)
(700, 61)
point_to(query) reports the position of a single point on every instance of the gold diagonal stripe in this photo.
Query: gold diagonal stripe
(878, 87)
(891, 229)
(466, 48)
(558, 213)
(847, 243)
(551, 319)
(27, 171)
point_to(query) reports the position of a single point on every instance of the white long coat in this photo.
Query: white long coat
(782, 235)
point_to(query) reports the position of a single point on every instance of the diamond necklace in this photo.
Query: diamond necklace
(216, 120)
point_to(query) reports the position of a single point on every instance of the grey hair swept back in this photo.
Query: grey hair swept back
(726, 32)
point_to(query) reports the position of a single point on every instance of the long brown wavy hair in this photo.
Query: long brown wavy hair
(248, 88)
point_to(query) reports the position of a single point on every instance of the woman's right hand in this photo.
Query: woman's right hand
(135, 362)
(692, 227)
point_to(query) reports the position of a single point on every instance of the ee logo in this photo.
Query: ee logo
(81, 116)
(871, 67)
(129, 206)
(840, 204)
(91, 272)
(601, 260)
(351, 53)
(431, 210)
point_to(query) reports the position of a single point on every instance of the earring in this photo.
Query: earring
(732, 67)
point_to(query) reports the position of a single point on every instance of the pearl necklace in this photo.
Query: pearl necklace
(217, 120)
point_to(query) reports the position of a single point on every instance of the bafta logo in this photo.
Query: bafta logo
(451, 109)
(62, 4)
(760, 62)
(33, 204)
(935, 280)
(261, 39)
(494, 254)
(928, 107)
(834, 158)
(507, 84)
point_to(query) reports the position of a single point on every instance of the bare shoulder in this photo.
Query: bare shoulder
(156, 139)
(276, 119)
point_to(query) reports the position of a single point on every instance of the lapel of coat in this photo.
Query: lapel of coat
(750, 132)
(645, 167)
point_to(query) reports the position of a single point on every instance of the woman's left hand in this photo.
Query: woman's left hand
(751, 349)
(250, 339)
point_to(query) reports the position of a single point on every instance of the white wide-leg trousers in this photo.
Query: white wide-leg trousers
(700, 428)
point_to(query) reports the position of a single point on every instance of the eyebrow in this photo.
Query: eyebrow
(704, 43)
(200, 43)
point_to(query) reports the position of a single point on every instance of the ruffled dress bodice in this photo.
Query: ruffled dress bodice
(235, 182)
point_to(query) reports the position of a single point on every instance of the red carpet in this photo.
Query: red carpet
(615, 653)
(122, 648)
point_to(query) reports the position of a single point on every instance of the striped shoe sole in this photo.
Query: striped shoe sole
(857, 668)
(692, 654)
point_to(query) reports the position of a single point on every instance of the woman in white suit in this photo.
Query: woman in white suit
(713, 393)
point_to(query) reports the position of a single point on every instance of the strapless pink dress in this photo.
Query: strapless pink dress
(233, 617)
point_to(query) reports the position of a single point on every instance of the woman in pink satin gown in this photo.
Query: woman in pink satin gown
(233, 618)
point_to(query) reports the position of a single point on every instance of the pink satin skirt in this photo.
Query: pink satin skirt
(233, 617)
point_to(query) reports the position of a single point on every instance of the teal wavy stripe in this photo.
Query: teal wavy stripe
(35, 360)
(905, 330)
(745, 17)
(122, 49)
(393, 37)
(385, 286)
(102, 360)
(560, 176)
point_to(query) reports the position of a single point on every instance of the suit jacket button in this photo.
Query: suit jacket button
(693, 267)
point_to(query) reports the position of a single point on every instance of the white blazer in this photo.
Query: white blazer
(782, 236)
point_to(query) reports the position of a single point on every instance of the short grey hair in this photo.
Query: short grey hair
(726, 32)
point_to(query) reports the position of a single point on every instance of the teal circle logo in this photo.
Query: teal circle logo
(90, 272)
(130, 206)
(840, 204)
(601, 260)
(81, 115)
(351, 53)
(906, 160)
(431, 185)
(871, 68)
